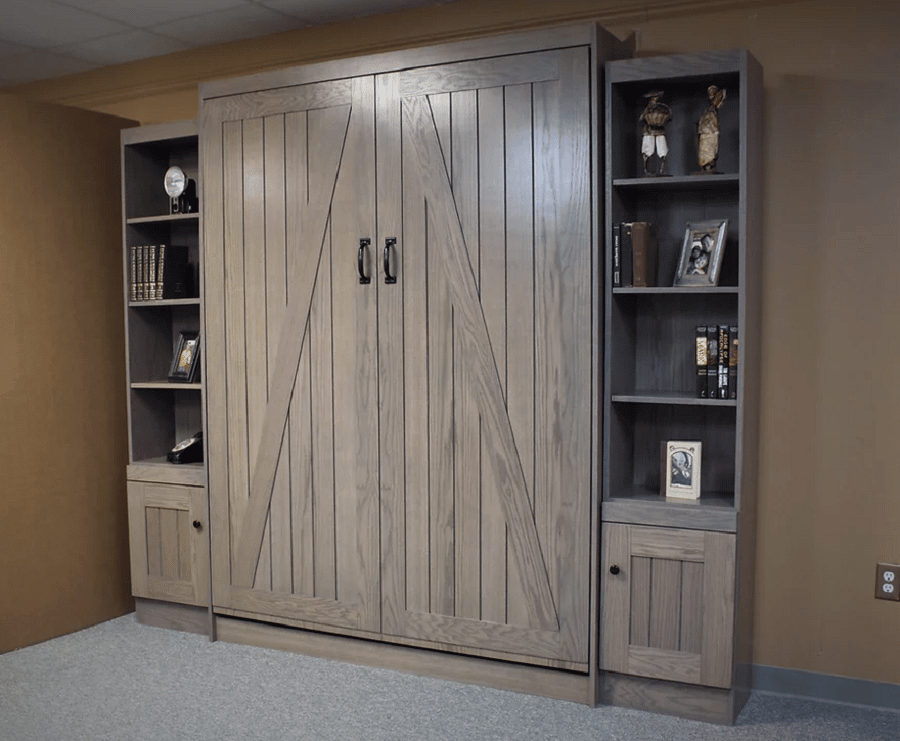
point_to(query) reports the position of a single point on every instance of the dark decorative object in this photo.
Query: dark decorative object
(708, 132)
(653, 144)
(182, 191)
(186, 360)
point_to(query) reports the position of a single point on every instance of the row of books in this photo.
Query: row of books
(159, 272)
(717, 361)
(633, 254)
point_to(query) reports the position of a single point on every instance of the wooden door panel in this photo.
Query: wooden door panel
(302, 426)
(667, 611)
(493, 538)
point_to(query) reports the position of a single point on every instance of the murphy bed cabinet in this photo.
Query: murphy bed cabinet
(676, 574)
(167, 507)
(402, 318)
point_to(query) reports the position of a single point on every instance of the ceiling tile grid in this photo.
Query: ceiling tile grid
(40, 39)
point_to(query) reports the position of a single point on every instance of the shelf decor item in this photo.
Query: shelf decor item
(701, 253)
(185, 361)
(708, 132)
(653, 142)
(182, 191)
(681, 467)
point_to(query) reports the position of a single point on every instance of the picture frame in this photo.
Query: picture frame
(701, 253)
(681, 469)
(186, 359)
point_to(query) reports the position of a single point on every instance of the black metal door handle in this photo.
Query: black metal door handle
(614, 570)
(361, 261)
(388, 243)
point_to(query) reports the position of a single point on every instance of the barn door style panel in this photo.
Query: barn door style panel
(291, 332)
(668, 603)
(485, 387)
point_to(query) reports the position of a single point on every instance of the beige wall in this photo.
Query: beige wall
(829, 505)
(63, 535)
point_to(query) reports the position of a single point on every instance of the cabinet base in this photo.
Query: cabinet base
(706, 704)
(553, 683)
(172, 616)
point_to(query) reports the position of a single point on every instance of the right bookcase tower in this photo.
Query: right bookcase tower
(676, 572)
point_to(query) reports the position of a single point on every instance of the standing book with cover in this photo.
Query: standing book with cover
(173, 272)
(712, 365)
(701, 360)
(617, 255)
(723, 362)
(643, 254)
(733, 362)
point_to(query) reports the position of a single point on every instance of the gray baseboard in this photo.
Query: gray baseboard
(826, 687)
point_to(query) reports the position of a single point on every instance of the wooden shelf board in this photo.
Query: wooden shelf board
(656, 290)
(166, 385)
(654, 397)
(679, 182)
(713, 511)
(166, 302)
(161, 219)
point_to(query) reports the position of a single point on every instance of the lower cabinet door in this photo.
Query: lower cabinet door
(169, 551)
(668, 603)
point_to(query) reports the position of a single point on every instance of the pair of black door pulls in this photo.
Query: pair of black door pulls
(364, 244)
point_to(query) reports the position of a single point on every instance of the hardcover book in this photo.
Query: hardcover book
(643, 254)
(701, 360)
(617, 255)
(724, 344)
(732, 362)
(712, 365)
(173, 272)
(626, 254)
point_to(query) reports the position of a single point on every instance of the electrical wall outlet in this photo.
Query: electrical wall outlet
(887, 581)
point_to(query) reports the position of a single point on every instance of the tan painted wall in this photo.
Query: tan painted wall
(829, 505)
(63, 533)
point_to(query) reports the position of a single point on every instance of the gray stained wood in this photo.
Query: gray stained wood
(407, 459)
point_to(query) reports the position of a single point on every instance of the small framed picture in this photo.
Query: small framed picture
(681, 469)
(186, 360)
(701, 253)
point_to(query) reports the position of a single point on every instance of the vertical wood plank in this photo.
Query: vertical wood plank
(691, 607)
(520, 314)
(276, 300)
(154, 542)
(466, 418)
(391, 362)
(235, 357)
(321, 375)
(300, 414)
(718, 609)
(415, 287)
(354, 367)
(256, 363)
(563, 280)
(216, 428)
(640, 601)
(168, 530)
(665, 604)
(440, 109)
(615, 602)
(183, 529)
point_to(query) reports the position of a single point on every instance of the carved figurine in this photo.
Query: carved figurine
(708, 131)
(655, 118)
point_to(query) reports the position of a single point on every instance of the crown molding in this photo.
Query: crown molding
(466, 19)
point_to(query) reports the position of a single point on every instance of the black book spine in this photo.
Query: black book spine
(701, 359)
(712, 365)
(132, 294)
(723, 361)
(617, 255)
(733, 363)
(627, 256)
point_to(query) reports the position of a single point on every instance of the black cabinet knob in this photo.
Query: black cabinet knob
(614, 569)
(197, 524)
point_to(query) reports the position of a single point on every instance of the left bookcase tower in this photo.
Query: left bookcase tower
(166, 501)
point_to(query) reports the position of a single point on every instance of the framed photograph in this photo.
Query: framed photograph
(701, 253)
(681, 469)
(186, 360)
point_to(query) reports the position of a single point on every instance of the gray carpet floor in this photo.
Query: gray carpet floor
(120, 681)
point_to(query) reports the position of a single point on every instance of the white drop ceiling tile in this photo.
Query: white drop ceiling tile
(39, 65)
(143, 13)
(43, 24)
(123, 47)
(327, 11)
(232, 24)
